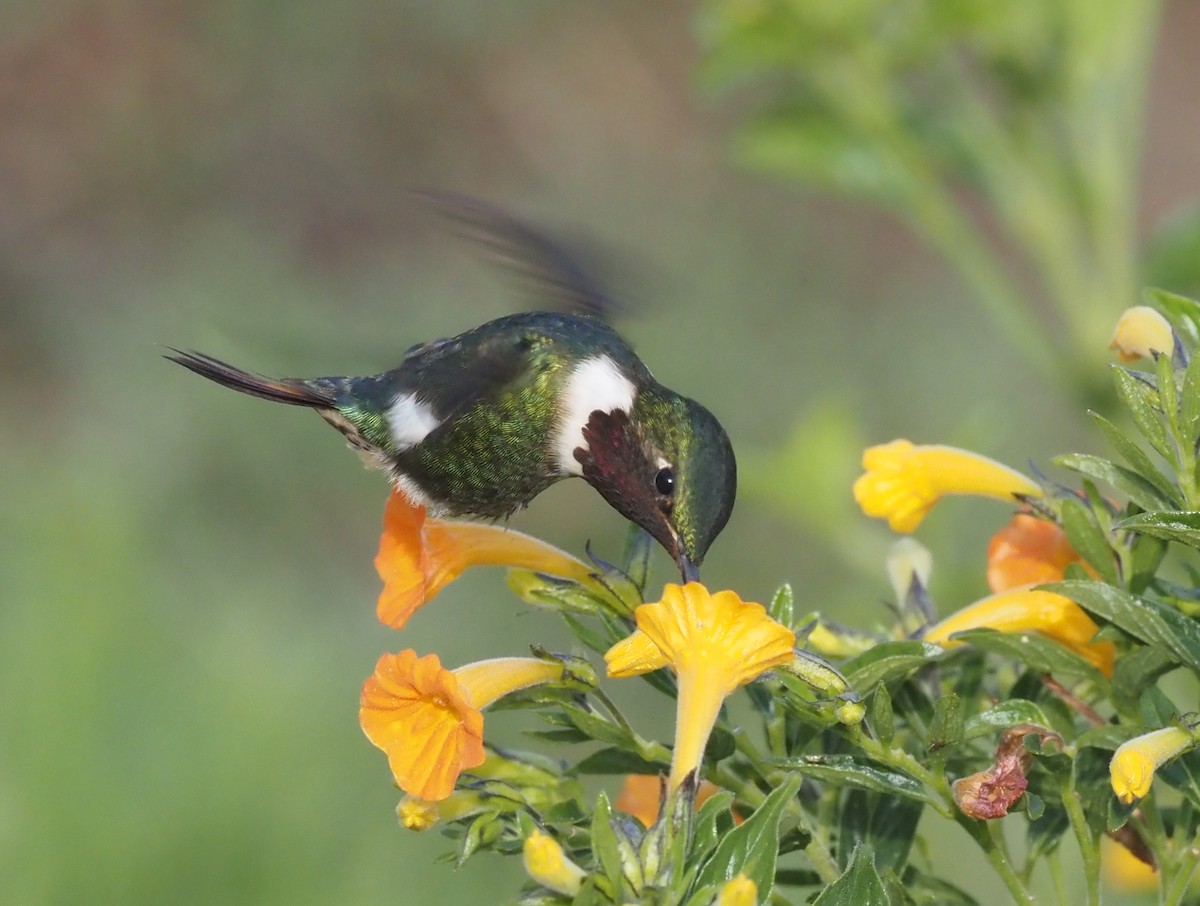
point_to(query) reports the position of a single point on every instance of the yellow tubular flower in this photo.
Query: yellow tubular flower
(1134, 763)
(547, 864)
(428, 719)
(1140, 333)
(738, 891)
(1030, 610)
(418, 556)
(903, 481)
(714, 643)
(1124, 871)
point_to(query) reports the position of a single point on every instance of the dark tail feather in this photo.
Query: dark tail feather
(288, 390)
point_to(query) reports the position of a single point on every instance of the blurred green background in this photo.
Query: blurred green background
(186, 587)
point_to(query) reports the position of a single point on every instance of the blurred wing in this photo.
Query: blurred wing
(553, 270)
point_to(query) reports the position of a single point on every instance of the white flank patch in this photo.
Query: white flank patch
(410, 420)
(595, 383)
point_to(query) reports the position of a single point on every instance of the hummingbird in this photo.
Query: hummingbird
(479, 424)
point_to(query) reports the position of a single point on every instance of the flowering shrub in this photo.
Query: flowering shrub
(1041, 702)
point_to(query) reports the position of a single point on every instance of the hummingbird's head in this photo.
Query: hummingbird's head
(668, 466)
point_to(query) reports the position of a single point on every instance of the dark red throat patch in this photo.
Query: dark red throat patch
(617, 464)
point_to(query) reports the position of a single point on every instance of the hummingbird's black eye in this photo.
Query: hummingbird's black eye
(664, 482)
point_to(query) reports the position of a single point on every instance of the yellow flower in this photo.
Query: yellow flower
(714, 643)
(428, 719)
(547, 864)
(418, 556)
(1029, 551)
(1134, 763)
(1140, 333)
(738, 891)
(902, 481)
(1031, 610)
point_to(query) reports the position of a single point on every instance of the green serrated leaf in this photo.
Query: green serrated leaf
(783, 605)
(1087, 538)
(1143, 404)
(1180, 527)
(1138, 489)
(1142, 618)
(887, 662)
(751, 847)
(1035, 651)
(1012, 713)
(859, 885)
(848, 771)
(882, 717)
(1136, 457)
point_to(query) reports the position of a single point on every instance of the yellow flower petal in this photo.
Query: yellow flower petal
(418, 557)
(1133, 764)
(903, 481)
(547, 864)
(1031, 610)
(1140, 333)
(1124, 871)
(714, 643)
(428, 719)
(738, 891)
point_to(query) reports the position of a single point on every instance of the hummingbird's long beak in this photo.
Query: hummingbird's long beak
(690, 570)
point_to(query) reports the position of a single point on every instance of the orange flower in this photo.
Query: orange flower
(1028, 551)
(641, 797)
(428, 719)
(418, 557)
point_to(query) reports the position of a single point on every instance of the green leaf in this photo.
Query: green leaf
(1136, 396)
(752, 846)
(888, 824)
(889, 661)
(783, 605)
(1184, 312)
(1033, 650)
(609, 846)
(1138, 489)
(1189, 414)
(848, 771)
(713, 820)
(1146, 555)
(882, 716)
(1136, 457)
(859, 885)
(946, 728)
(1137, 670)
(1142, 618)
(617, 761)
(1181, 527)
(1164, 372)
(1087, 538)
(1011, 713)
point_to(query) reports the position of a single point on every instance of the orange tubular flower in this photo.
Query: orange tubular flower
(1030, 610)
(1028, 551)
(418, 556)
(428, 719)
(903, 481)
(714, 643)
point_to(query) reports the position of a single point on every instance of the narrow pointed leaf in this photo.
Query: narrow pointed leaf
(946, 728)
(848, 771)
(1136, 397)
(1142, 618)
(1138, 489)
(889, 661)
(1183, 311)
(1189, 404)
(783, 605)
(1087, 538)
(882, 715)
(1012, 713)
(859, 885)
(751, 847)
(1034, 651)
(1182, 527)
(1136, 457)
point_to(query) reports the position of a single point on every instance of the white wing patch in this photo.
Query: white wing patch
(595, 383)
(410, 420)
